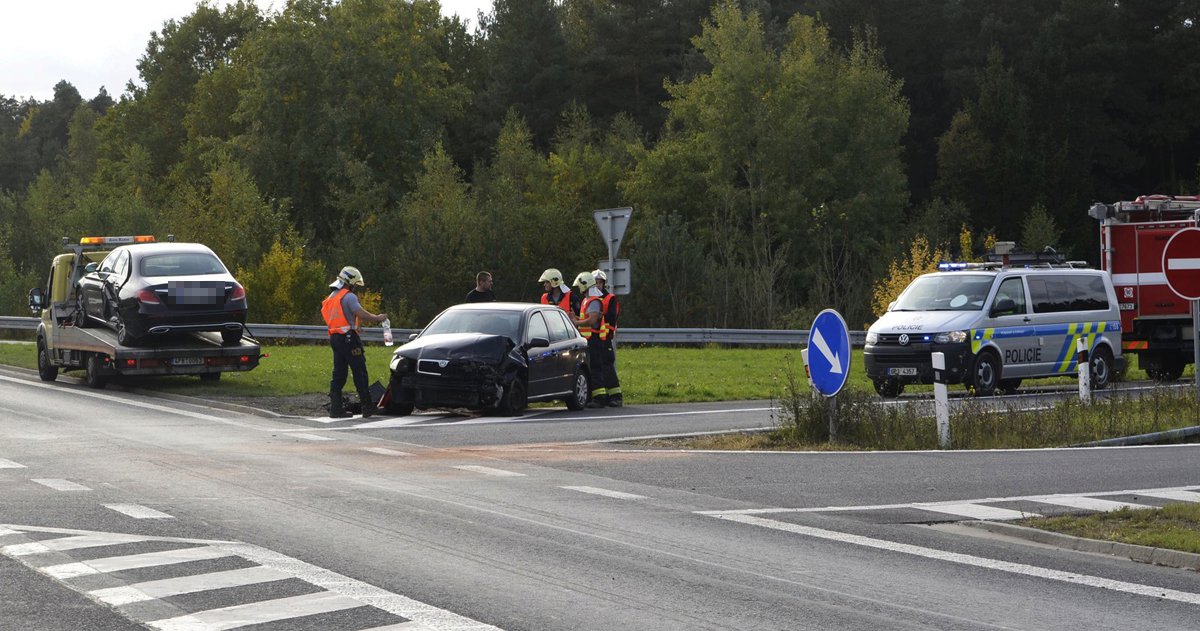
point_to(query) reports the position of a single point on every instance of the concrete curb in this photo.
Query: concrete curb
(1141, 554)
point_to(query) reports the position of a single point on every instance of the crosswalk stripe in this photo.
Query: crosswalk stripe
(257, 613)
(70, 543)
(975, 511)
(403, 626)
(137, 511)
(384, 451)
(605, 492)
(134, 561)
(1086, 503)
(489, 471)
(59, 484)
(149, 590)
(9, 464)
(1183, 496)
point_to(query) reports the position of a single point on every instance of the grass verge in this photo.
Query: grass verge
(1173, 527)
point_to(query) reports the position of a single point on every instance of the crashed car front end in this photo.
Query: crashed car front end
(455, 370)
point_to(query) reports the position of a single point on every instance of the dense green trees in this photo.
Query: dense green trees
(778, 154)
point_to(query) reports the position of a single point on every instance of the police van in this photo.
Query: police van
(997, 326)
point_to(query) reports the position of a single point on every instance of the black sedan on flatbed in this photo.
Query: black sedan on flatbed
(494, 355)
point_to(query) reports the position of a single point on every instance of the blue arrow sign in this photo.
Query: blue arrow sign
(829, 352)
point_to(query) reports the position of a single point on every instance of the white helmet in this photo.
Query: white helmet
(585, 281)
(551, 275)
(600, 275)
(350, 276)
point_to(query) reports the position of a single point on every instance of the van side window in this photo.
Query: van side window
(1056, 294)
(1011, 289)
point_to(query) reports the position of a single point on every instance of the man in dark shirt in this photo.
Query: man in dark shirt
(483, 289)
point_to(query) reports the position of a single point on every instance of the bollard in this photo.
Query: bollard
(1085, 371)
(941, 404)
(807, 372)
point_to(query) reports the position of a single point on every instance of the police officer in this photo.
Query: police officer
(610, 308)
(590, 322)
(557, 293)
(342, 312)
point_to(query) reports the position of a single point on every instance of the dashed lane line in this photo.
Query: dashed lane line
(490, 471)
(59, 484)
(384, 451)
(137, 511)
(9, 464)
(605, 492)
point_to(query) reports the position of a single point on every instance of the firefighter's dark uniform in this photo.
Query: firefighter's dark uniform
(347, 354)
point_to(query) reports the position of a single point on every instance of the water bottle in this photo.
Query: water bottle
(387, 332)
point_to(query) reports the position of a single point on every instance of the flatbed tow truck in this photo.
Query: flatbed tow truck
(61, 345)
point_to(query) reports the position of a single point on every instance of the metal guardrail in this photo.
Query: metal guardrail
(628, 335)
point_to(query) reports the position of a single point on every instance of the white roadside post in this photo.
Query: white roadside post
(1085, 371)
(941, 403)
(807, 370)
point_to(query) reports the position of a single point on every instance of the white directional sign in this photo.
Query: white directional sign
(829, 366)
(612, 223)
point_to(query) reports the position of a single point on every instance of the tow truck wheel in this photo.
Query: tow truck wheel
(46, 370)
(92, 375)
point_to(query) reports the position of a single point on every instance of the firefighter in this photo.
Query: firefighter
(342, 312)
(590, 322)
(610, 308)
(557, 293)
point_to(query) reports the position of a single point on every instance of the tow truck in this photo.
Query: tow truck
(61, 345)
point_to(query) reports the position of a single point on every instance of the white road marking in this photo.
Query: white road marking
(383, 451)
(61, 485)
(976, 511)
(605, 492)
(489, 471)
(150, 590)
(63, 544)
(257, 612)
(59, 390)
(137, 511)
(1087, 503)
(966, 559)
(403, 626)
(4, 532)
(134, 561)
(9, 464)
(312, 437)
(1182, 496)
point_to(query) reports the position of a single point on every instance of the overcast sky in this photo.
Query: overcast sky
(93, 43)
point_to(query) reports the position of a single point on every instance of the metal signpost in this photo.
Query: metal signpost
(829, 366)
(612, 223)
(1181, 265)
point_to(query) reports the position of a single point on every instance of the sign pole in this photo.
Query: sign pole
(1181, 266)
(1196, 345)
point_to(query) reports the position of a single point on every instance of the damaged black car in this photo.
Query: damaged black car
(490, 356)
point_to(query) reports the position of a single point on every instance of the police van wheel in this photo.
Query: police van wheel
(1102, 368)
(1009, 386)
(889, 388)
(986, 375)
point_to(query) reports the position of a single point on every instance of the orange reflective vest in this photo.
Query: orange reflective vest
(587, 331)
(335, 315)
(564, 304)
(610, 308)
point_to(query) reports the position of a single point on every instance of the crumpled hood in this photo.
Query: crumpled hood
(458, 346)
(925, 321)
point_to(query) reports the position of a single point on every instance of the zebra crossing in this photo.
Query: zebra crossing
(179, 584)
(998, 508)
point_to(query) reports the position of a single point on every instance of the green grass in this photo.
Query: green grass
(1174, 527)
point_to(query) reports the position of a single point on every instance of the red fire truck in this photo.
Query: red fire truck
(1156, 323)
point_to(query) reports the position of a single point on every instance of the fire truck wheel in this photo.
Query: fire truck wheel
(1102, 368)
(1009, 386)
(986, 376)
(1171, 370)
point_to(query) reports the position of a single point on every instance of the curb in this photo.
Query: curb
(1141, 554)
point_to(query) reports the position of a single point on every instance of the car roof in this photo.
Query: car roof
(143, 249)
(501, 306)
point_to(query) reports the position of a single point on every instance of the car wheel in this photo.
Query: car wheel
(123, 336)
(394, 407)
(514, 400)
(81, 318)
(1009, 386)
(986, 375)
(889, 388)
(579, 393)
(46, 370)
(231, 337)
(92, 371)
(1102, 368)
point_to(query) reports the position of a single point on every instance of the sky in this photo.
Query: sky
(94, 43)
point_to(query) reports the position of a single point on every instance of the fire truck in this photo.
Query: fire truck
(1156, 323)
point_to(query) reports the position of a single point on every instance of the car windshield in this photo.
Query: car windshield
(476, 321)
(181, 264)
(951, 291)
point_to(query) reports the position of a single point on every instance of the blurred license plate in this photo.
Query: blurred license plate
(188, 361)
(903, 372)
(195, 292)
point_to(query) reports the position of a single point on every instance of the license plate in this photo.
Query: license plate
(188, 361)
(902, 372)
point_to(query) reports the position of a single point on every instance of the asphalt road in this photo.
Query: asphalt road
(123, 511)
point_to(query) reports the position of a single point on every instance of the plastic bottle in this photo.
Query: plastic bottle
(387, 333)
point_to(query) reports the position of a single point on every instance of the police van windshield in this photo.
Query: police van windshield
(952, 291)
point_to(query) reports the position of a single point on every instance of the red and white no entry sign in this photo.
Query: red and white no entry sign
(1181, 263)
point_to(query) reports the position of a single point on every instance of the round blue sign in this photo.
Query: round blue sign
(829, 352)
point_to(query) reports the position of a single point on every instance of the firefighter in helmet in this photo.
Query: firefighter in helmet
(610, 308)
(557, 292)
(342, 312)
(590, 322)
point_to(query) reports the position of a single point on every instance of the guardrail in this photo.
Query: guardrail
(628, 335)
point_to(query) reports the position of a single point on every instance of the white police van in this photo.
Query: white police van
(997, 326)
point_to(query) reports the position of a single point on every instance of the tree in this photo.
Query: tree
(1038, 230)
(921, 258)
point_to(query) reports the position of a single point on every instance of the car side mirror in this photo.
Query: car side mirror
(891, 305)
(1004, 306)
(37, 301)
(90, 267)
(537, 342)
(412, 336)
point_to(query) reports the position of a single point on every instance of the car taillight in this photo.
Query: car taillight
(148, 297)
(238, 293)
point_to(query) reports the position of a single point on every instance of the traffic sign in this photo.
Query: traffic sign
(618, 275)
(612, 223)
(829, 366)
(1181, 263)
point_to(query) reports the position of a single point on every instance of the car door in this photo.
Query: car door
(116, 280)
(1020, 351)
(541, 359)
(93, 286)
(565, 342)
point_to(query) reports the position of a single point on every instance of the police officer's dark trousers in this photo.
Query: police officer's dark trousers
(348, 355)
